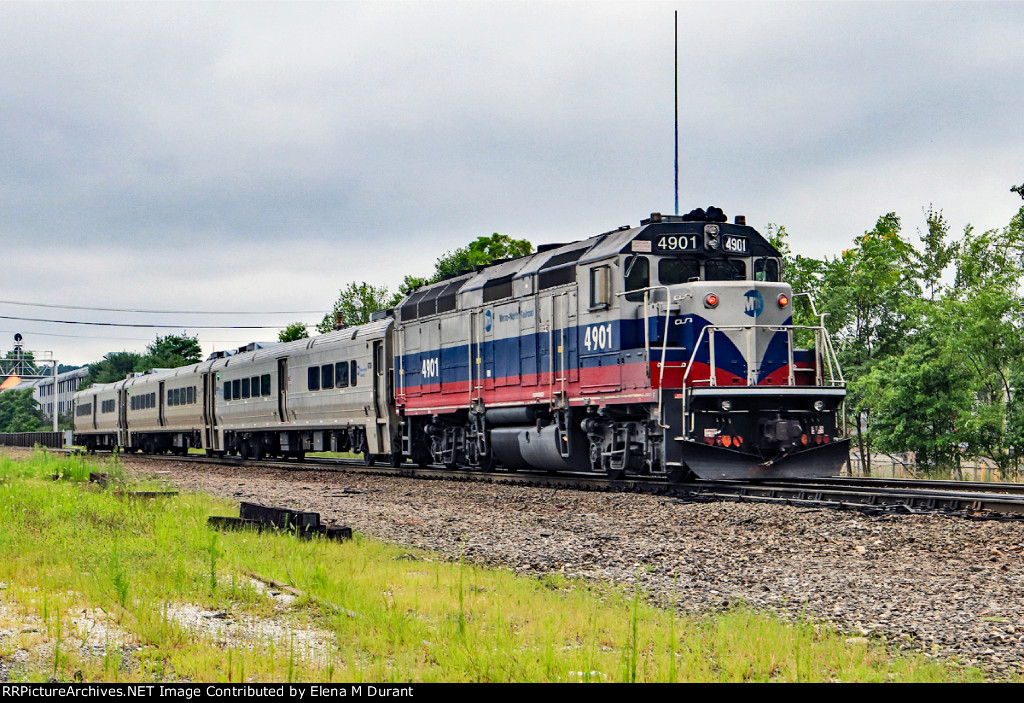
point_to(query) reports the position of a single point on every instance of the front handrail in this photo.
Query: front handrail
(824, 356)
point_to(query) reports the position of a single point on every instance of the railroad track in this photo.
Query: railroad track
(973, 500)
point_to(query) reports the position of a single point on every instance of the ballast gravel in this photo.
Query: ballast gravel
(945, 586)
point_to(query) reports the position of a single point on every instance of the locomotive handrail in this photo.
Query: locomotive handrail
(664, 338)
(823, 350)
(824, 356)
(824, 337)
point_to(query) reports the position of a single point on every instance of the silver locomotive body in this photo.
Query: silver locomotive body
(664, 348)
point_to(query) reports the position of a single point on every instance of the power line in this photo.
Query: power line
(133, 324)
(164, 312)
(111, 339)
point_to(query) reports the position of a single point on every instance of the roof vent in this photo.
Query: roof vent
(741, 220)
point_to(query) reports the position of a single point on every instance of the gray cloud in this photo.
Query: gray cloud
(278, 151)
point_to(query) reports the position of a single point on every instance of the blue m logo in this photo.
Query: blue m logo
(755, 303)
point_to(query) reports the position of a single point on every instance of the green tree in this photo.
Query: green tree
(867, 293)
(19, 412)
(920, 399)
(937, 254)
(115, 366)
(296, 330)
(355, 303)
(985, 309)
(411, 283)
(482, 251)
(172, 351)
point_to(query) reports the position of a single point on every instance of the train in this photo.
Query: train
(666, 349)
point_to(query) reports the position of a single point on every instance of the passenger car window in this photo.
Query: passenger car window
(327, 376)
(313, 378)
(352, 372)
(265, 384)
(341, 374)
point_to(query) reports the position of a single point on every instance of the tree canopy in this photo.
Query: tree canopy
(357, 301)
(19, 412)
(930, 337)
(480, 252)
(166, 352)
(296, 330)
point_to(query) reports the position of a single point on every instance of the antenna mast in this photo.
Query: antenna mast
(676, 76)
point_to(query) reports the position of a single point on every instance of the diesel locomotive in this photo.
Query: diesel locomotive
(667, 348)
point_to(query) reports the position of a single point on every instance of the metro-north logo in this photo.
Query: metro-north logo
(755, 303)
(488, 320)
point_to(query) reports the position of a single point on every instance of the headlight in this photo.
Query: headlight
(819, 405)
(726, 405)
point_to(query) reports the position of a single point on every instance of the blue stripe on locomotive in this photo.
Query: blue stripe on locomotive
(529, 354)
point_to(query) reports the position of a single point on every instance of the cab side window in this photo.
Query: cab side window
(600, 288)
(766, 270)
(637, 276)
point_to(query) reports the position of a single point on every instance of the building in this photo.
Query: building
(67, 384)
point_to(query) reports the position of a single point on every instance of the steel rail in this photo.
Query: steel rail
(919, 497)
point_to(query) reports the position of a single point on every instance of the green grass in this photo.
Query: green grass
(387, 613)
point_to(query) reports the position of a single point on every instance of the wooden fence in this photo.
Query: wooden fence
(54, 440)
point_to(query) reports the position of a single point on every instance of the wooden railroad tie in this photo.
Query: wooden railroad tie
(262, 517)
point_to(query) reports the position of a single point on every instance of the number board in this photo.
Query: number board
(680, 242)
(734, 244)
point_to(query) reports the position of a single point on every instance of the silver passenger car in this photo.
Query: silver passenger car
(331, 392)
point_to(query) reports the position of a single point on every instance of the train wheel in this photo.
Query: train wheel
(369, 459)
(258, 452)
(243, 450)
(395, 459)
(300, 456)
(615, 474)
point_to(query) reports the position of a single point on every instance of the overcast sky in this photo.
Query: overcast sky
(259, 157)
